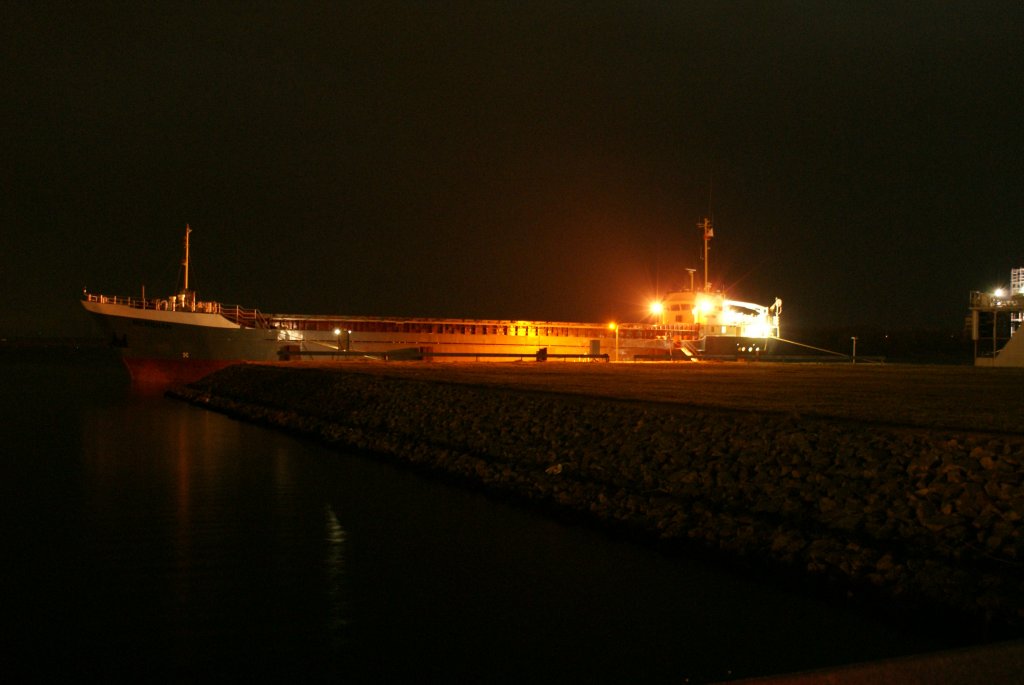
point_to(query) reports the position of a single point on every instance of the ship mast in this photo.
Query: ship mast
(709, 233)
(184, 263)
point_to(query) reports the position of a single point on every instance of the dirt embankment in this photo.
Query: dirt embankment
(912, 511)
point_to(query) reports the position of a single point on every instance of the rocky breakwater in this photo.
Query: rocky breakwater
(923, 514)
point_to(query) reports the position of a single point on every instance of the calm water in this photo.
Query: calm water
(147, 538)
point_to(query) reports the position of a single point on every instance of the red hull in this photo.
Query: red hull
(172, 371)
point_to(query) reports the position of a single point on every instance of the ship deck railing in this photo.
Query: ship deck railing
(483, 328)
(246, 317)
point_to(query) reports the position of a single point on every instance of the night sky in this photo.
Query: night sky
(864, 161)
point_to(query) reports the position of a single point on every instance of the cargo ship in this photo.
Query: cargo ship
(179, 339)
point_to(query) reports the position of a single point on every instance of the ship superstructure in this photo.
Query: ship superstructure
(705, 322)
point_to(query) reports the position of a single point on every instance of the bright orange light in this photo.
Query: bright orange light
(704, 304)
(657, 308)
(612, 326)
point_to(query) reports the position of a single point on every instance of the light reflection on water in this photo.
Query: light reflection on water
(216, 547)
(163, 541)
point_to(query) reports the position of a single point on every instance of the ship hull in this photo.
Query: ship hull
(178, 347)
(160, 346)
(148, 371)
(165, 348)
(737, 346)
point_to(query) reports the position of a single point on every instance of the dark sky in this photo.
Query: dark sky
(546, 160)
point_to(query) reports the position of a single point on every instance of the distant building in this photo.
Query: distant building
(1016, 288)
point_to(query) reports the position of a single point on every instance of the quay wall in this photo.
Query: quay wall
(929, 516)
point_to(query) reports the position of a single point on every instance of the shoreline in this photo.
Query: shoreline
(909, 506)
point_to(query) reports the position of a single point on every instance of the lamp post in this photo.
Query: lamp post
(337, 333)
(615, 327)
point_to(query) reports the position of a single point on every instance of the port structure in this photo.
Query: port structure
(996, 319)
